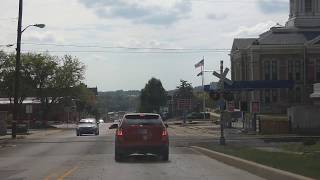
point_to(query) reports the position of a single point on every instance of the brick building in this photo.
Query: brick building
(290, 52)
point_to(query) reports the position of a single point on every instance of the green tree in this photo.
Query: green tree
(85, 101)
(184, 90)
(49, 78)
(153, 96)
(7, 78)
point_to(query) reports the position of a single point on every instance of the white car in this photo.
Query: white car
(87, 126)
(101, 121)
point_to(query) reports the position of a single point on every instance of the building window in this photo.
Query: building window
(267, 70)
(290, 70)
(274, 95)
(274, 68)
(291, 97)
(298, 70)
(298, 95)
(308, 6)
(318, 69)
(270, 70)
(311, 70)
(267, 96)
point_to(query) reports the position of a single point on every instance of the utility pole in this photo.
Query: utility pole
(17, 72)
(222, 139)
(204, 97)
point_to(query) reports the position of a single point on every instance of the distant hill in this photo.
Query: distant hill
(113, 101)
(120, 92)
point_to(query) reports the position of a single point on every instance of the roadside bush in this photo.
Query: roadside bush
(309, 142)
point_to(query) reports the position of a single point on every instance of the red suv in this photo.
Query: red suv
(141, 134)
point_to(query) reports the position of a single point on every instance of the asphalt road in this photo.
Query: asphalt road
(65, 156)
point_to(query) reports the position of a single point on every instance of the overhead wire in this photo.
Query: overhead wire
(126, 49)
(123, 52)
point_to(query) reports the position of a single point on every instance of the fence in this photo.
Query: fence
(262, 124)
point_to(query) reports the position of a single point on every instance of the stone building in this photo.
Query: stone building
(290, 52)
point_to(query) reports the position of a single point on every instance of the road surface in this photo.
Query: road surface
(65, 156)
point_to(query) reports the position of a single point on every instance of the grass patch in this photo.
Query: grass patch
(304, 164)
(301, 148)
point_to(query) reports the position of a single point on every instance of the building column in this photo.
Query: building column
(317, 7)
(255, 74)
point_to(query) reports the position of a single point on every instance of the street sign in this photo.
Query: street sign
(230, 106)
(237, 115)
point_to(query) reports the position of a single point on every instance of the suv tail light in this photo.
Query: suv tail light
(164, 133)
(164, 136)
(120, 132)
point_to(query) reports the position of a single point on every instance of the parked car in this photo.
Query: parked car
(87, 126)
(164, 116)
(141, 133)
(198, 115)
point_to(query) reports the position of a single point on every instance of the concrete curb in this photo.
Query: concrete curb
(252, 167)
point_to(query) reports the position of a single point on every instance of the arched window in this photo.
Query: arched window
(308, 6)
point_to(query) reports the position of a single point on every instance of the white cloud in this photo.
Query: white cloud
(142, 12)
(140, 23)
(43, 37)
(252, 31)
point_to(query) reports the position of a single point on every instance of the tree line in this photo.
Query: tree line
(51, 79)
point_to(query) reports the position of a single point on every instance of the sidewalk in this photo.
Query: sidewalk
(33, 133)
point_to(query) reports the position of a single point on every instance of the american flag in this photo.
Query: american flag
(199, 64)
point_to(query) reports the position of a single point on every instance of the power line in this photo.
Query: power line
(124, 52)
(128, 48)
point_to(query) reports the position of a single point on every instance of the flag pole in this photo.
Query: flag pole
(204, 97)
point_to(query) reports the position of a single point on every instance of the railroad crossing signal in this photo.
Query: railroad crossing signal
(223, 77)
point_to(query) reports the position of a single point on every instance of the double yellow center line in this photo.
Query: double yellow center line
(64, 175)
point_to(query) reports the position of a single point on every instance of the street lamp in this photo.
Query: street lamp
(18, 65)
(35, 25)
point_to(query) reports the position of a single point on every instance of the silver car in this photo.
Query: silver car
(87, 126)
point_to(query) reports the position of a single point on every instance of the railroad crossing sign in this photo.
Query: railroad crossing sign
(223, 77)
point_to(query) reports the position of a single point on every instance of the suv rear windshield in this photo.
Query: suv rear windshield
(142, 120)
(83, 121)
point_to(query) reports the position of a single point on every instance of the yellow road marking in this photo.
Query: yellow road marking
(67, 173)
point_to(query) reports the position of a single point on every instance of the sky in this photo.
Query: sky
(124, 43)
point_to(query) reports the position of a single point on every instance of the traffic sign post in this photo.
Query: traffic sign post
(223, 79)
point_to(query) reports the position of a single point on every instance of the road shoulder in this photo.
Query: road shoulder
(252, 167)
